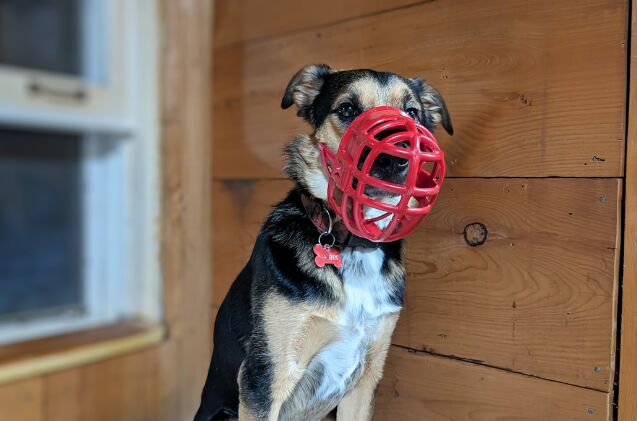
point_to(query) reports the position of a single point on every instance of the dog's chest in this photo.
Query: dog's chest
(366, 304)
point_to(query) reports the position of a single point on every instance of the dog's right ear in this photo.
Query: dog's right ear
(304, 87)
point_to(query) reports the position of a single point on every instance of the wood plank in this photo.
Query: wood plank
(419, 387)
(538, 297)
(243, 20)
(122, 388)
(627, 404)
(186, 241)
(534, 88)
(21, 401)
(551, 250)
(240, 208)
(182, 365)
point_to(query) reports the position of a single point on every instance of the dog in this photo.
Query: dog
(292, 340)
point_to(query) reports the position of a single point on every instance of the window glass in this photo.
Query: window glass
(60, 36)
(40, 222)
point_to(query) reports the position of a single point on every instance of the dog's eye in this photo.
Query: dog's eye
(413, 113)
(346, 110)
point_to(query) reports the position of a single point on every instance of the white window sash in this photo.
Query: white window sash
(92, 102)
(120, 169)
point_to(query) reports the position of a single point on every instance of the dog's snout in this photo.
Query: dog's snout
(385, 161)
(386, 167)
(391, 164)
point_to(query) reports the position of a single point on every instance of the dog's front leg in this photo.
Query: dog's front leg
(358, 404)
(289, 337)
(264, 385)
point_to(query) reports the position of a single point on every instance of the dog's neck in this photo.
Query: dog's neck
(317, 212)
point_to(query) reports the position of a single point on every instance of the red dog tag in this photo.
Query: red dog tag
(330, 256)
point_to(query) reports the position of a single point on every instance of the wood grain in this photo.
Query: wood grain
(241, 208)
(186, 209)
(419, 387)
(627, 404)
(122, 388)
(538, 297)
(243, 20)
(21, 401)
(534, 88)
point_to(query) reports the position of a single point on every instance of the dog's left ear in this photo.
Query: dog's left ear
(433, 103)
(304, 87)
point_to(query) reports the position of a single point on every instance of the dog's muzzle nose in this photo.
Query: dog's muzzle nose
(390, 168)
(391, 163)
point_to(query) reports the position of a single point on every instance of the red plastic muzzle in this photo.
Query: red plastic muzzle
(375, 198)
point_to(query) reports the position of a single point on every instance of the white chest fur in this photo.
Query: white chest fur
(366, 303)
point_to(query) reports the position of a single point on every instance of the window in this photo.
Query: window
(79, 187)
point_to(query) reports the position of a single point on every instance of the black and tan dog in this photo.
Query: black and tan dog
(294, 341)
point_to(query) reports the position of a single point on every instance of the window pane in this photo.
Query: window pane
(41, 34)
(40, 222)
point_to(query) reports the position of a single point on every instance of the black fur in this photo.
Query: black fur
(330, 84)
(279, 260)
(239, 329)
(419, 87)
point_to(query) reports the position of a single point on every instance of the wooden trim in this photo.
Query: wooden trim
(627, 405)
(43, 356)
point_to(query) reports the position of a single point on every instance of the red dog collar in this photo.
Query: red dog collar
(316, 211)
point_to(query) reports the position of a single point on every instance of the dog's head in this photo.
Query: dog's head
(330, 100)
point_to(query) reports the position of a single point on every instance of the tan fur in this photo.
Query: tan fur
(330, 133)
(304, 162)
(296, 332)
(244, 412)
(371, 94)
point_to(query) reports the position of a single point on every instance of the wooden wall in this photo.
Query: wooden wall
(165, 381)
(523, 326)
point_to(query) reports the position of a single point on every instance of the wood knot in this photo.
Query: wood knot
(475, 234)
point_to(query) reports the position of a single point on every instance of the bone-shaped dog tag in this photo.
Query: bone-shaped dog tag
(329, 256)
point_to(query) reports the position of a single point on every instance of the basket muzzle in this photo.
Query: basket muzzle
(386, 175)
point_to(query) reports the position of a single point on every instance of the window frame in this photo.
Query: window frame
(118, 118)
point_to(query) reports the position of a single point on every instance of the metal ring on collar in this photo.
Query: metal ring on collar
(326, 245)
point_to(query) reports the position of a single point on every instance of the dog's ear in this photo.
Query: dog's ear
(304, 87)
(433, 103)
